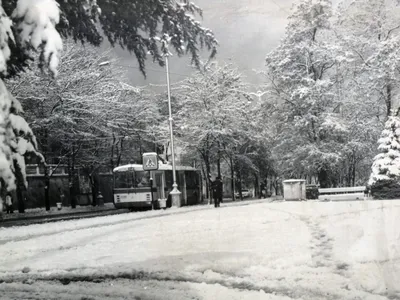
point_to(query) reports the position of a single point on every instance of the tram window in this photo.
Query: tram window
(123, 180)
(142, 179)
(126, 180)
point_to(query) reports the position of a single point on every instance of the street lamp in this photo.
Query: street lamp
(104, 63)
(259, 94)
(175, 193)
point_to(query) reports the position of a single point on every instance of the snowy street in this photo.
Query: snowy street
(284, 250)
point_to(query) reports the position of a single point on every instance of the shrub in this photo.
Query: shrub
(385, 189)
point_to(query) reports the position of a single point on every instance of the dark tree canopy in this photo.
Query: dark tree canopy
(135, 25)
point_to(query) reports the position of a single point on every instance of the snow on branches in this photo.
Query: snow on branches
(35, 22)
(386, 165)
(5, 35)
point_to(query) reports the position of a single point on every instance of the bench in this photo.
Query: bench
(342, 193)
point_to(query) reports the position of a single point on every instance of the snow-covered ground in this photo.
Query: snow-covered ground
(286, 250)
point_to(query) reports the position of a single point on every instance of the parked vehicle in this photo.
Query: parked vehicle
(245, 193)
(312, 191)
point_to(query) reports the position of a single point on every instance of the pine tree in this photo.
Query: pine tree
(385, 176)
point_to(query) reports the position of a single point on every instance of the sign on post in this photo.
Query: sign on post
(150, 161)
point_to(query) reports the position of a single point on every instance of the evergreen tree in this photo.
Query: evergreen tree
(386, 165)
(385, 176)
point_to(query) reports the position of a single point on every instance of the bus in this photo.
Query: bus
(132, 186)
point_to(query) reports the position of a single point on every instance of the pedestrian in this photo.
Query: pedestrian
(263, 190)
(221, 200)
(217, 191)
(62, 196)
(9, 204)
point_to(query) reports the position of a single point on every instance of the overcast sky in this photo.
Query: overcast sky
(246, 30)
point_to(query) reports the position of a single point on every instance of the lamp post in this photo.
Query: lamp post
(259, 94)
(175, 193)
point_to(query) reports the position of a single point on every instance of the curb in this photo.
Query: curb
(59, 217)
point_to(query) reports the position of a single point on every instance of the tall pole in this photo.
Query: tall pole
(175, 193)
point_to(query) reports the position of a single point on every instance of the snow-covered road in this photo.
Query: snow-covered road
(287, 250)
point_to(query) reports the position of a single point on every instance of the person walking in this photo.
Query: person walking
(9, 202)
(217, 191)
(263, 190)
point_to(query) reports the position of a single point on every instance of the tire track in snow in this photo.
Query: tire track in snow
(241, 284)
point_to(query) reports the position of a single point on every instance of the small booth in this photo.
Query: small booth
(294, 189)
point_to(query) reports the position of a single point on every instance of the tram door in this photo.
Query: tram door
(160, 183)
(182, 183)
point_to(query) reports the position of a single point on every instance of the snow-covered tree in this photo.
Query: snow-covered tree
(386, 165)
(369, 31)
(217, 119)
(301, 73)
(85, 117)
(27, 25)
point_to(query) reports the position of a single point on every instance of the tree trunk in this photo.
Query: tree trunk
(271, 184)
(240, 184)
(256, 186)
(348, 175)
(206, 181)
(232, 179)
(323, 178)
(20, 187)
(208, 178)
(72, 190)
(46, 188)
(71, 182)
(112, 153)
(219, 164)
(46, 173)
(94, 186)
(388, 99)
(206, 160)
(276, 185)
(20, 198)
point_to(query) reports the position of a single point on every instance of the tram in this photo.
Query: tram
(132, 186)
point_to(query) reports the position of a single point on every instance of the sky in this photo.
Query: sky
(246, 31)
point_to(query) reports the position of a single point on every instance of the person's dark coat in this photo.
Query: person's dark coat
(217, 191)
(217, 188)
